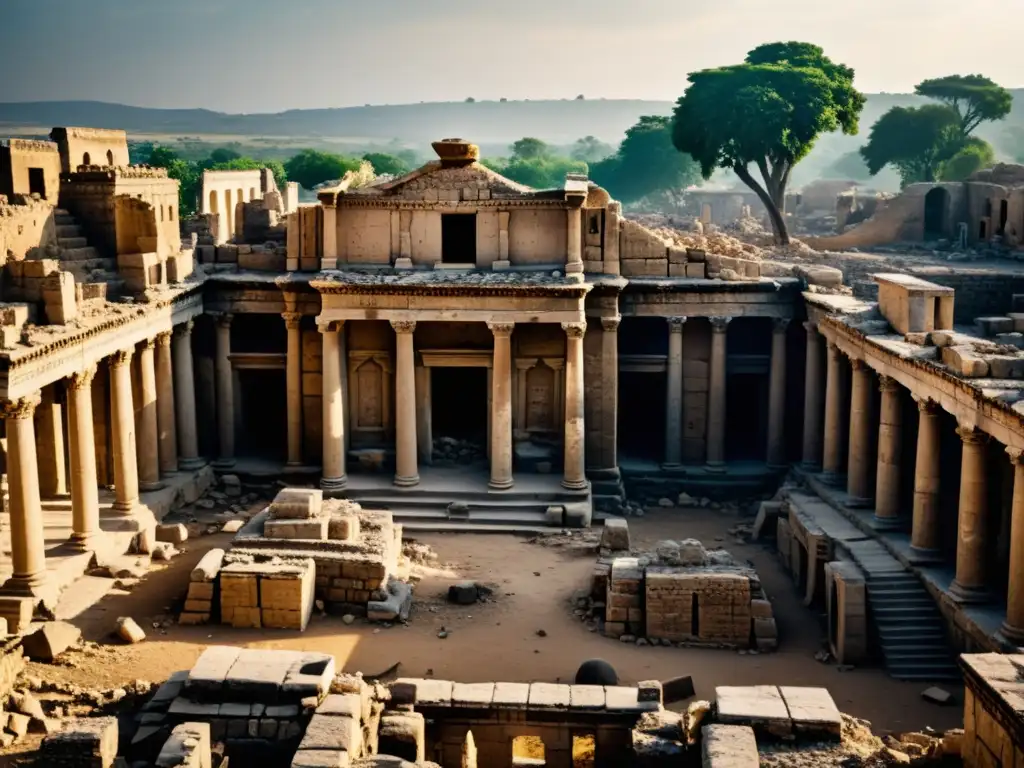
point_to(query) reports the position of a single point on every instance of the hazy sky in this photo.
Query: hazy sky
(270, 55)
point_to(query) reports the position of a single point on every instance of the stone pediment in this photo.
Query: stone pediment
(435, 182)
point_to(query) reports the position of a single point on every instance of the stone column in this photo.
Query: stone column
(890, 448)
(925, 532)
(1013, 626)
(334, 478)
(813, 390)
(610, 390)
(294, 385)
(575, 469)
(122, 417)
(574, 245)
(858, 473)
(225, 394)
(674, 393)
(50, 445)
(776, 453)
(406, 468)
(165, 416)
(28, 552)
(148, 437)
(185, 392)
(832, 457)
(716, 395)
(501, 407)
(972, 525)
(85, 500)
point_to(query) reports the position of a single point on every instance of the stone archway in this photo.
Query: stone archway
(936, 205)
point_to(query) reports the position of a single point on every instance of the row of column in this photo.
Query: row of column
(716, 407)
(825, 449)
(406, 459)
(166, 441)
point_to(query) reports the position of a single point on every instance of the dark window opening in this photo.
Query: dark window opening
(110, 157)
(694, 615)
(982, 230)
(458, 238)
(642, 415)
(37, 182)
(86, 160)
(1004, 215)
(595, 227)
(746, 416)
(833, 615)
(988, 207)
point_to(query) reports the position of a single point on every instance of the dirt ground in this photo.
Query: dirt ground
(499, 640)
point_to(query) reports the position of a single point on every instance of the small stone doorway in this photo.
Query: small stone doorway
(746, 416)
(37, 182)
(458, 238)
(263, 426)
(642, 415)
(458, 414)
(936, 202)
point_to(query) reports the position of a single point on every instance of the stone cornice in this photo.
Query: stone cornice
(399, 204)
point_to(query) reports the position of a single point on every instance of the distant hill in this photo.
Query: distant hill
(492, 124)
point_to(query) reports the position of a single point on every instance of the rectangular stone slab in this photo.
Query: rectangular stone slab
(729, 746)
(620, 698)
(337, 733)
(549, 696)
(587, 696)
(431, 693)
(510, 695)
(341, 705)
(258, 675)
(759, 706)
(320, 758)
(211, 669)
(477, 695)
(813, 711)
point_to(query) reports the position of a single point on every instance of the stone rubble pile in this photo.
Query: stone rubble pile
(450, 452)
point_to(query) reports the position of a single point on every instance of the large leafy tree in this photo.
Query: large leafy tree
(311, 167)
(530, 149)
(767, 111)
(916, 141)
(975, 98)
(590, 150)
(975, 155)
(385, 163)
(646, 163)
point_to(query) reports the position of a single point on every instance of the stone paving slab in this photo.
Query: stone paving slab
(587, 696)
(824, 517)
(620, 698)
(211, 669)
(258, 675)
(510, 695)
(729, 746)
(549, 696)
(759, 706)
(433, 693)
(812, 711)
(472, 694)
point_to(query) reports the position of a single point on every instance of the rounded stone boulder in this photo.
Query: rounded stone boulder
(463, 593)
(596, 672)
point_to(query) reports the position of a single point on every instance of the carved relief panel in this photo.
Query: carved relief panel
(539, 396)
(370, 386)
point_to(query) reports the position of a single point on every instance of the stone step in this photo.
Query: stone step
(64, 220)
(79, 254)
(383, 502)
(68, 230)
(928, 637)
(491, 515)
(71, 242)
(395, 495)
(61, 212)
(897, 611)
(438, 526)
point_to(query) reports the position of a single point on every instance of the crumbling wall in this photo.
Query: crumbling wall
(641, 252)
(90, 146)
(26, 165)
(24, 227)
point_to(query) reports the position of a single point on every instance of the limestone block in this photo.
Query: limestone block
(963, 362)
(729, 746)
(209, 566)
(198, 606)
(403, 734)
(510, 695)
(333, 733)
(81, 741)
(58, 293)
(315, 529)
(200, 590)
(50, 640)
(1005, 366)
(759, 706)
(990, 326)
(189, 745)
(696, 270)
(813, 712)
(343, 528)
(297, 504)
(180, 266)
(17, 612)
(207, 676)
(238, 590)
(615, 536)
(175, 534)
(320, 758)
(227, 254)
(549, 696)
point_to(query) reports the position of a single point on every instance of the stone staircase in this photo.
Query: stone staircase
(81, 259)
(910, 629)
(482, 511)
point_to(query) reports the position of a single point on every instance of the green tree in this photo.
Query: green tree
(646, 163)
(530, 149)
(916, 141)
(187, 175)
(311, 167)
(590, 150)
(161, 157)
(385, 163)
(975, 99)
(767, 111)
(975, 155)
(224, 155)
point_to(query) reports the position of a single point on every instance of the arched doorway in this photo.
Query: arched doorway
(110, 157)
(936, 203)
(86, 160)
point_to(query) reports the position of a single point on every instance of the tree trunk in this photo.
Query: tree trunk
(779, 227)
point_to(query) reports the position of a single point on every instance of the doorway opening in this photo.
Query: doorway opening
(746, 417)
(37, 182)
(694, 615)
(528, 751)
(936, 203)
(458, 238)
(263, 431)
(458, 415)
(983, 230)
(642, 415)
(1004, 215)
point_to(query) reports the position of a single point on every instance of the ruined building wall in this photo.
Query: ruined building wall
(223, 192)
(537, 236)
(90, 146)
(28, 167)
(24, 227)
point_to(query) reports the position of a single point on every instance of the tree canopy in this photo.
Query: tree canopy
(975, 155)
(530, 149)
(914, 140)
(767, 111)
(311, 167)
(383, 163)
(974, 98)
(590, 149)
(646, 163)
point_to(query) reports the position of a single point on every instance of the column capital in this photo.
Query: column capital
(575, 330)
(970, 435)
(501, 329)
(292, 320)
(121, 357)
(329, 326)
(1016, 455)
(403, 326)
(780, 324)
(857, 364)
(611, 324)
(147, 344)
(23, 408)
(811, 327)
(675, 324)
(927, 406)
(163, 339)
(719, 323)
(888, 384)
(224, 319)
(82, 379)
(184, 330)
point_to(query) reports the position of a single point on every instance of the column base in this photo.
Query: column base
(836, 479)
(83, 542)
(814, 467)
(886, 523)
(925, 555)
(715, 467)
(125, 508)
(187, 465)
(858, 502)
(407, 482)
(500, 484)
(968, 594)
(223, 463)
(151, 485)
(36, 586)
(293, 464)
(575, 485)
(333, 484)
(1014, 634)
(672, 465)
